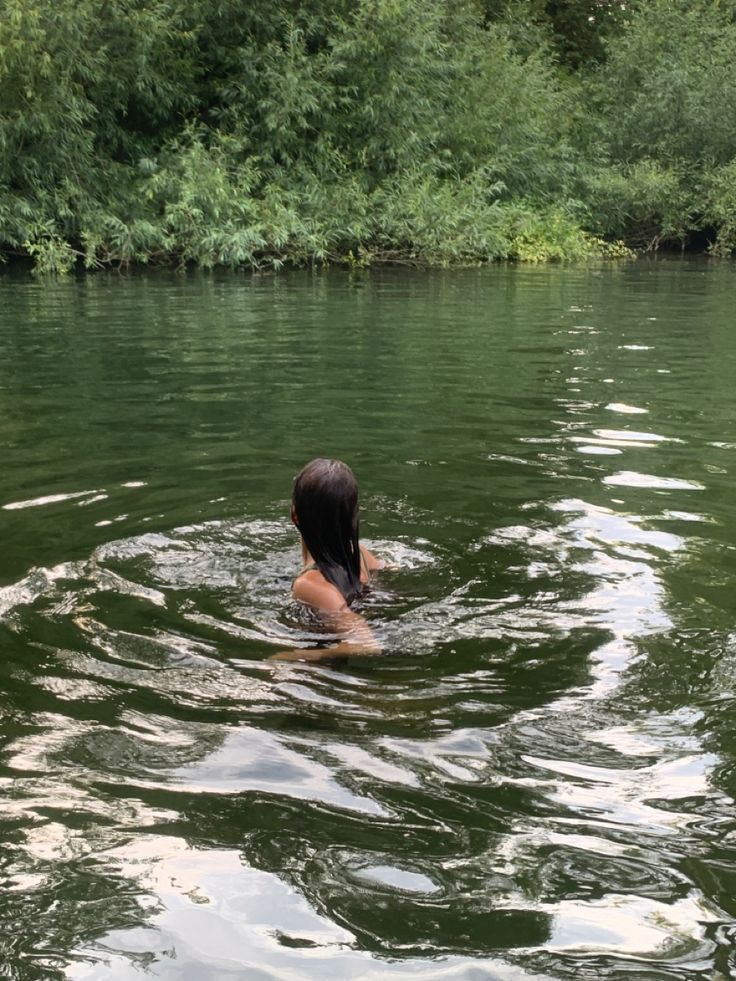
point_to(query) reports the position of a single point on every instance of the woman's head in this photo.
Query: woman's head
(324, 507)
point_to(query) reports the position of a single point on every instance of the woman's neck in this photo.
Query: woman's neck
(306, 556)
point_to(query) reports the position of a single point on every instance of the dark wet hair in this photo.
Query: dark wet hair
(325, 503)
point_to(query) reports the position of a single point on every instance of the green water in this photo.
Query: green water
(534, 781)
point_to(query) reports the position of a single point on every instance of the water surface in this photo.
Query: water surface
(535, 781)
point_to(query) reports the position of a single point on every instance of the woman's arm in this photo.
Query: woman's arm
(371, 561)
(358, 639)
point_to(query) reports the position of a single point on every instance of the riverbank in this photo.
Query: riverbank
(439, 225)
(388, 130)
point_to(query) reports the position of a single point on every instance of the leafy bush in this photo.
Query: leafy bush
(644, 203)
(379, 130)
(668, 89)
(719, 206)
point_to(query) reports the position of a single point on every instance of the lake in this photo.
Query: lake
(535, 780)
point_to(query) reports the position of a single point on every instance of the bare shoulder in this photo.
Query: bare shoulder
(313, 589)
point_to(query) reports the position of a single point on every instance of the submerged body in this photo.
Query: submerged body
(337, 567)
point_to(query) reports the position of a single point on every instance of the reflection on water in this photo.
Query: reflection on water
(534, 781)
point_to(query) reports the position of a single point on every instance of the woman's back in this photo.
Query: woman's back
(314, 589)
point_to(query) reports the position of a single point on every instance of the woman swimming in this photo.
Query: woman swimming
(325, 510)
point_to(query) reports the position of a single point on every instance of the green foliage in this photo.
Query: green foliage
(668, 89)
(577, 29)
(645, 203)
(516, 123)
(719, 207)
(220, 132)
(52, 255)
(74, 74)
(659, 133)
(552, 234)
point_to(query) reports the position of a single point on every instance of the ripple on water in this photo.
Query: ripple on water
(633, 925)
(392, 879)
(626, 409)
(597, 450)
(629, 478)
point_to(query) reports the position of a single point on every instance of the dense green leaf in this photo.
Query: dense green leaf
(228, 132)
